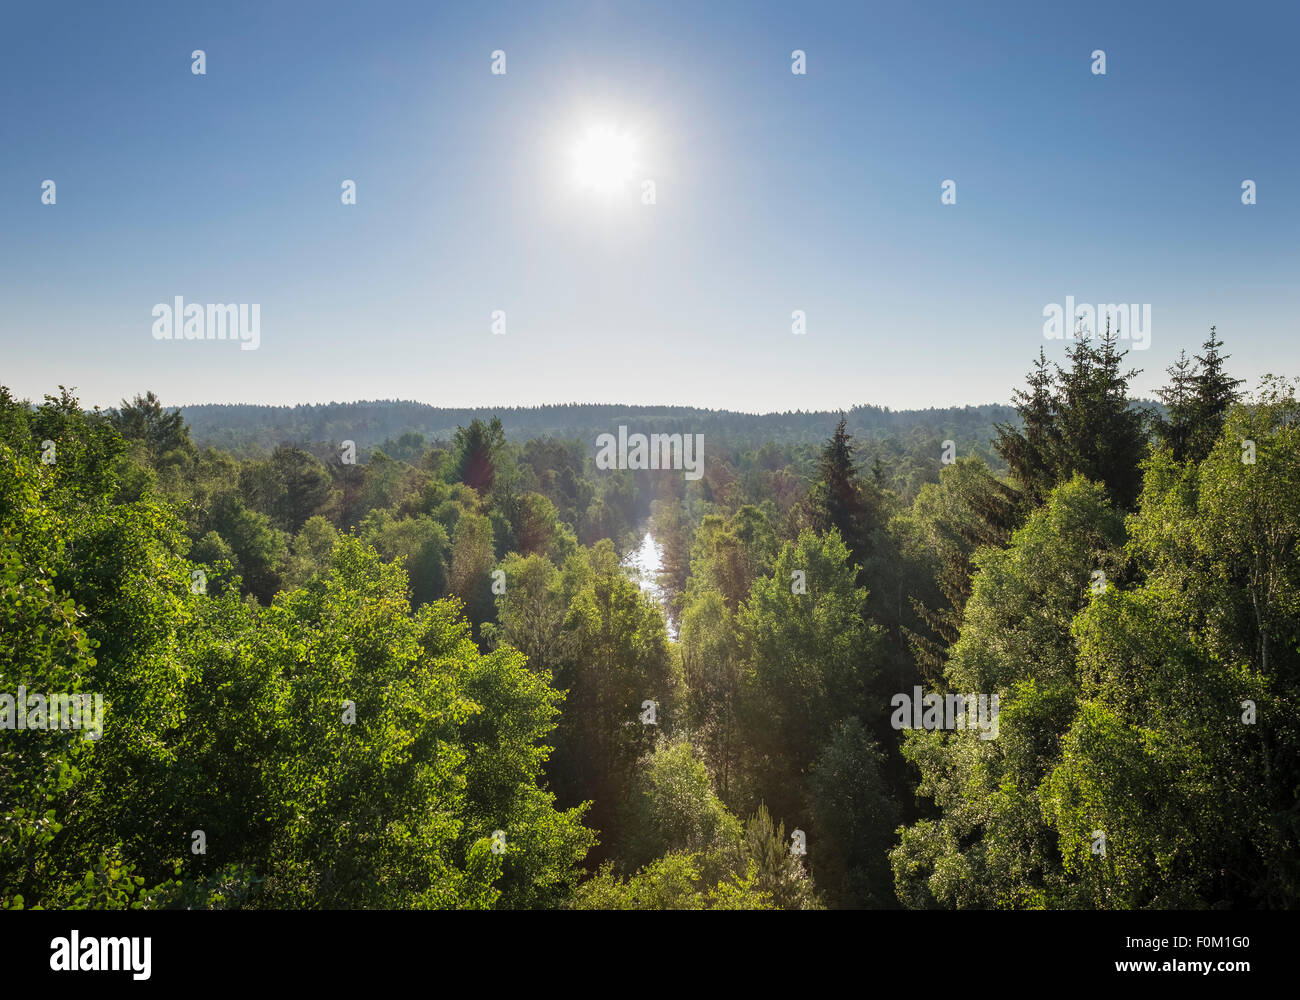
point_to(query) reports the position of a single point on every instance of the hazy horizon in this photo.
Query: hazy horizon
(169, 404)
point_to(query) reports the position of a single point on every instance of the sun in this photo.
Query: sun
(604, 159)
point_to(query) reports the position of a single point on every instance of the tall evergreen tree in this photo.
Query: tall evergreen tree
(1199, 396)
(837, 496)
(1030, 451)
(1215, 393)
(1175, 429)
(1078, 420)
(1102, 436)
(478, 449)
(951, 519)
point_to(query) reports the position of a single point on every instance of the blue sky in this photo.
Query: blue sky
(775, 192)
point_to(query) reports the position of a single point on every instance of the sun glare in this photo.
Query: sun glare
(604, 160)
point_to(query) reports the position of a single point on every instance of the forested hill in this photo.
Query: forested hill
(241, 427)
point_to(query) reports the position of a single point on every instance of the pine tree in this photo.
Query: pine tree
(1080, 421)
(967, 509)
(1030, 452)
(837, 496)
(478, 449)
(1175, 430)
(1111, 439)
(779, 871)
(1215, 393)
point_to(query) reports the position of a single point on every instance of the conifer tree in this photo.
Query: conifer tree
(1081, 421)
(478, 449)
(1175, 429)
(839, 499)
(1199, 396)
(1102, 436)
(1030, 451)
(1214, 395)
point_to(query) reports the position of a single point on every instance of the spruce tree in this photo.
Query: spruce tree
(478, 448)
(837, 495)
(1077, 419)
(1175, 429)
(1101, 435)
(1030, 451)
(1214, 395)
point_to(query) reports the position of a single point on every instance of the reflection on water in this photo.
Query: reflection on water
(644, 565)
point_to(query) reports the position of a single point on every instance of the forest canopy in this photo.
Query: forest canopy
(419, 673)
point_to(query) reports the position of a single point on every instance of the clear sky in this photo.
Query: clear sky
(774, 192)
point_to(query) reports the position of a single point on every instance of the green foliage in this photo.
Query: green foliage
(809, 661)
(472, 563)
(854, 815)
(334, 748)
(532, 611)
(671, 883)
(420, 542)
(1198, 398)
(478, 449)
(966, 510)
(713, 669)
(310, 551)
(1146, 758)
(1158, 759)
(1078, 420)
(991, 846)
(618, 658)
(356, 709)
(674, 809)
(778, 872)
